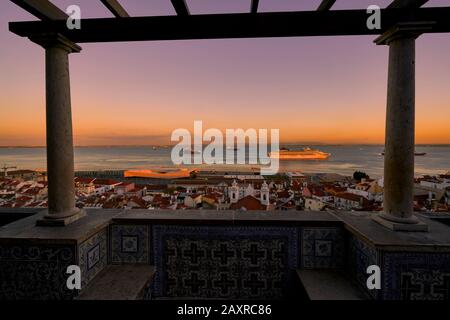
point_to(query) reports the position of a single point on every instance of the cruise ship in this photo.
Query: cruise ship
(305, 154)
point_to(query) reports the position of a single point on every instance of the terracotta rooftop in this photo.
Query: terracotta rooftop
(248, 203)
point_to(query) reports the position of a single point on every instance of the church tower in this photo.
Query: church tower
(234, 192)
(265, 194)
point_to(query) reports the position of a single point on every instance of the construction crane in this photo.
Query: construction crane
(5, 170)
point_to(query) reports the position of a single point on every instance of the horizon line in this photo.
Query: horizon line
(171, 145)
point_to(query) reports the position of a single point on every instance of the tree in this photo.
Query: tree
(171, 190)
(358, 175)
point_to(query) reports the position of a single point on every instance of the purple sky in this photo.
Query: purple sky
(324, 89)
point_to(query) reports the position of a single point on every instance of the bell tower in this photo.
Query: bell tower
(265, 194)
(234, 192)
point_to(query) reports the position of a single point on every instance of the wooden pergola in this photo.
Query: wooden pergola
(183, 26)
(401, 23)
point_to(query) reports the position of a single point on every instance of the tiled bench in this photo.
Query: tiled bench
(122, 282)
(328, 285)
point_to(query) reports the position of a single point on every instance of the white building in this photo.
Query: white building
(314, 204)
(435, 183)
(348, 201)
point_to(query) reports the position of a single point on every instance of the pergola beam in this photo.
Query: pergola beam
(116, 8)
(180, 7)
(326, 5)
(240, 25)
(254, 6)
(407, 4)
(42, 9)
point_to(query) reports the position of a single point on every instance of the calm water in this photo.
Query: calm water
(344, 159)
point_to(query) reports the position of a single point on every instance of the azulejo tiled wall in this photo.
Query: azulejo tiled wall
(322, 248)
(404, 275)
(224, 262)
(35, 271)
(93, 256)
(416, 276)
(361, 255)
(130, 244)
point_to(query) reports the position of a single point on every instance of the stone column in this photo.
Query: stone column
(60, 158)
(400, 124)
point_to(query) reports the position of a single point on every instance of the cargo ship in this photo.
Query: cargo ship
(305, 154)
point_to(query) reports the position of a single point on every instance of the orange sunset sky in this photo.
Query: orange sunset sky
(324, 90)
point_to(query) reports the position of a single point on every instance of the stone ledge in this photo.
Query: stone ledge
(123, 282)
(362, 225)
(395, 226)
(359, 223)
(229, 217)
(328, 285)
(26, 231)
(63, 222)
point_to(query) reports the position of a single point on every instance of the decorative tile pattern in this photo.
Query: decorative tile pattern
(35, 272)
(224, 262)
(360, 256)
(322, 248)
(130, 244)
(416, 276)
(93, 256)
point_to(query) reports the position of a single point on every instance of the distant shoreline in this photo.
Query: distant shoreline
(282, 144)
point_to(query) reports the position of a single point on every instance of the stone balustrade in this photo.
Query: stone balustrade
(226, 254)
